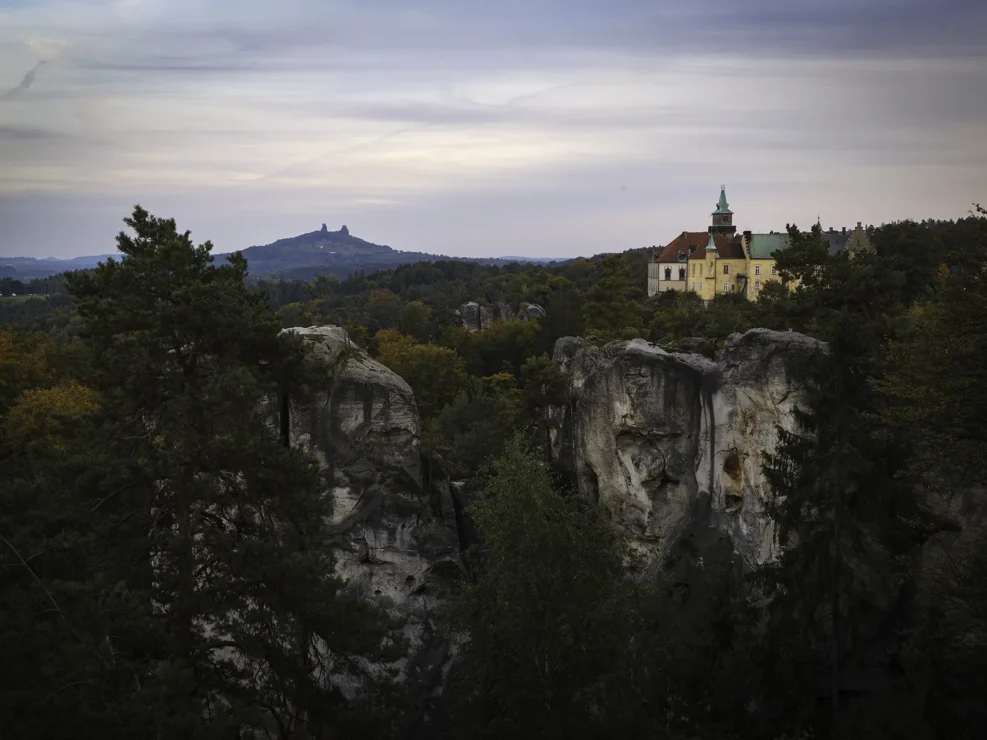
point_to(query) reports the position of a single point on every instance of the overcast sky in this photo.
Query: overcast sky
(518, 127)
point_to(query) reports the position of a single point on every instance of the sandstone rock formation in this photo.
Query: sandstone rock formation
(477, 317)
(392, 539)
(667, 442)
(530, 312)
(671, 443)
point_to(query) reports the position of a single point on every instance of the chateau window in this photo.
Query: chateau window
(693, 284)
(668, 273)
(774, 270)
(693, 271)
(726, 287)
(757, 269)
(757, 285)
(681, 273)
(726, 269)
(700, 270)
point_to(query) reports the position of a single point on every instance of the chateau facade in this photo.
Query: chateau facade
(719, 260)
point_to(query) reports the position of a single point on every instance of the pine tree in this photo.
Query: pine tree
(937, 379)
(833, 474)
(221, 526)
(613, 308)
(550, 616)
(60, 620)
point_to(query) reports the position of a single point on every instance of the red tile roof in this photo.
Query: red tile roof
(729, 247)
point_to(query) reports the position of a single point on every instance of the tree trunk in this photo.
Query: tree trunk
(834, 678)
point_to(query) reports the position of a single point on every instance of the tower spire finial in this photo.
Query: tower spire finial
(722, 206)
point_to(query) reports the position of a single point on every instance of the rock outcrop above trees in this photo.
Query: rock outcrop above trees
(392, 539)
(477, 317)
(672, 444)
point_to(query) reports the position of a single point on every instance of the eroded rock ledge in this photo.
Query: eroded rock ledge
(392, 537)
(672, 444)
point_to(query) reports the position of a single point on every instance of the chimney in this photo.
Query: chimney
(858, 224)
(844, 231)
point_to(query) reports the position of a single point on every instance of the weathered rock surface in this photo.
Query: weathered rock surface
(477, 317)
(391, 537)
(671, 444)
(530, 312)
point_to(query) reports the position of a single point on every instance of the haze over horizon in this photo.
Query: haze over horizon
(552, 128)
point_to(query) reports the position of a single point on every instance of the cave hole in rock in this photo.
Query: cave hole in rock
(733, 499)
(731, 466)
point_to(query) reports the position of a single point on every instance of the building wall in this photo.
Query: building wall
(708, 285)
(736, 267)
(759, 272)
(653, 286)
(661, 284)
(858, 242)
(672, 285)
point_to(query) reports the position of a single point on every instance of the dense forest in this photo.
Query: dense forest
(164, 571)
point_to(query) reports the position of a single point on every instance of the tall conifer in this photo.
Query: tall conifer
(225, 527)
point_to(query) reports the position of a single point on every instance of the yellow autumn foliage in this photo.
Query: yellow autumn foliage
(23, 359)
(28, 418)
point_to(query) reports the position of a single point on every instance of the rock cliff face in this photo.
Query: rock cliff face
(392, 538)
(477, 317)
(671, 444)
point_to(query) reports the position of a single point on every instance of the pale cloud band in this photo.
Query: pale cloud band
(558, 127)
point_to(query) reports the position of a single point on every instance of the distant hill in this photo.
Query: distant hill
(534, 259)
(303, 257)
(341, 254)
(324, 252)
(29, 268)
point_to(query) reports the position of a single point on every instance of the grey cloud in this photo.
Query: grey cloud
(25, 83)
(777, 126)
(354, 34)
(754, 26)
(27, 133)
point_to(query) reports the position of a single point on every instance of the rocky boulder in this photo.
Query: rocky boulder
(477, 317)
(530, 312)
(391, 537)
(671, 444)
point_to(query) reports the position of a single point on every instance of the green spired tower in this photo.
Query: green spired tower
(723, 216)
